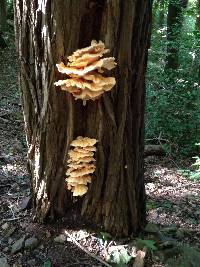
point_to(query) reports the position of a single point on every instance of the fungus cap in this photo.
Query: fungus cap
(80, 190)
(74, 155)
(94, 48)
(84, 67)
(80, 172)
(85, 149)
(106, 63)
(83, 141)
(81, 160)
(79, 180)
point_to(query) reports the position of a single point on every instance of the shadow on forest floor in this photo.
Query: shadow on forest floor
(172, 201)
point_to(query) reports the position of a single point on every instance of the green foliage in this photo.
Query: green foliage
(149, 244)
(193, 175)
(47, 263)
(105, 236)
(173, 96)
(196, 175)
(150, 205)
(119, 256)
(10, 11)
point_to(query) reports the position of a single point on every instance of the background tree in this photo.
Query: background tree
(161, 13)
(197, 34)
(3, 14)
(158, 15)
(174, 26)
(198, 15)
(48, 32)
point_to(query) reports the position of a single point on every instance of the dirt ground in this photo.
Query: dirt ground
(173, 202)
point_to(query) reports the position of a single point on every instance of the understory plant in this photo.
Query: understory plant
(195, 175)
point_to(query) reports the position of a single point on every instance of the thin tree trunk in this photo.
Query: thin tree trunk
(3, 14)
(48, 33)
(2, 22)
(197, 28)
(197, 24)
(161, 16)
(155, 9)
(174, 26)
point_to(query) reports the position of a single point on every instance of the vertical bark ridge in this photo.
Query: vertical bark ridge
(120, 154)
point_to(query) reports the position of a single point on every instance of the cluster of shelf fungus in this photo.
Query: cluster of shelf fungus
(81, 165)
(85, 71)
(86, 80)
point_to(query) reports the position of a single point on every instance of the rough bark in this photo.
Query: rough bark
(47, 34)
(174, 26)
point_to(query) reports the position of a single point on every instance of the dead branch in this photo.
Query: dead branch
(86, 251)
(157, 150)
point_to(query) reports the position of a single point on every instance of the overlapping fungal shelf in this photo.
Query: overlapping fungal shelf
(80, 165)
(85, 71)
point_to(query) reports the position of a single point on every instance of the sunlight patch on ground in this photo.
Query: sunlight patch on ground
(171, 198)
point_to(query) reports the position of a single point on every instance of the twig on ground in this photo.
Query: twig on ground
(11, 209)
(157, 139)
(170, 158)
(12, 219)
(86, 251)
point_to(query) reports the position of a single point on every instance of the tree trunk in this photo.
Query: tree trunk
(158, 13)
(155, 9)
(49, 32)
(2, 22)
(174, 25)
(197, 28)
(197, 24)
(161, 17)
(3, 14)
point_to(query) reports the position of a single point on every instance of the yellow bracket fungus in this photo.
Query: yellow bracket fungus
(81, 165)
(85, 69)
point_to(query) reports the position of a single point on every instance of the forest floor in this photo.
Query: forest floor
(173, 206)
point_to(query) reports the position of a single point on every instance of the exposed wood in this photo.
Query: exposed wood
(49, 32)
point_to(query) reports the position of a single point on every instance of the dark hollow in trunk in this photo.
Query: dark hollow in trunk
(46, 35)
